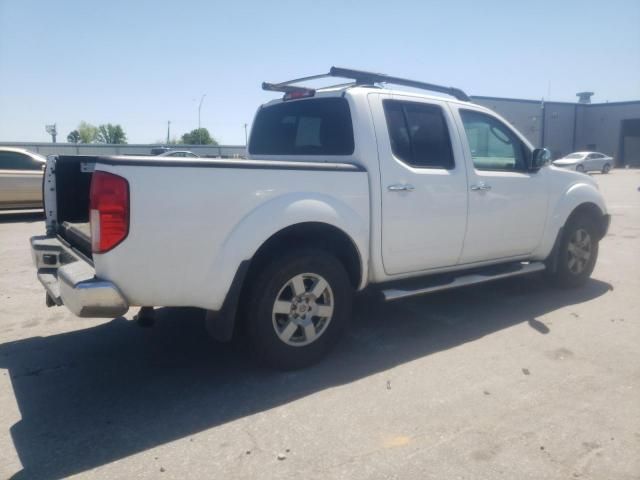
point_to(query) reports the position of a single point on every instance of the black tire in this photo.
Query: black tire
(274, 283)
(606, 168)
(580, 168)
(567, 274)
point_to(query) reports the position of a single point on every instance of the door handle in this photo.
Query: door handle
(480, 187)
(404, 187)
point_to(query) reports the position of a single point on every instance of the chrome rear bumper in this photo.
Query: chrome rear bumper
(70, 280)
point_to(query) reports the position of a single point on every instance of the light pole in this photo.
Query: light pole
(53, 131)
(199, 108)
(245, 135)
(168, 130)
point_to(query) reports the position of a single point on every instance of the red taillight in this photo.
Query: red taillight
(109, 211)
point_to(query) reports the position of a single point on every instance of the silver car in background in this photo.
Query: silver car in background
(586, 162)
(179, 153)
(21, 174)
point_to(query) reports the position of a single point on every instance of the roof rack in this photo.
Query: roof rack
(360, 78)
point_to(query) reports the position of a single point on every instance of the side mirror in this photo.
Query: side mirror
(539, 158)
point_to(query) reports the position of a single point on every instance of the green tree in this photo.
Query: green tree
(73, 137)
(111, 134)
(198, 137)
(88, 133)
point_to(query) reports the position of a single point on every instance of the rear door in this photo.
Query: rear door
(507, 201)
(20, 180)
(598, 161)
(423, 183)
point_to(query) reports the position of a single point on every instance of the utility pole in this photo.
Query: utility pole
(245, 135)
(168, 130)
(199, 108)
(543, 114)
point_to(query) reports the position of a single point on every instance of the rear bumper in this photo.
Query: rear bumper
(70, 280)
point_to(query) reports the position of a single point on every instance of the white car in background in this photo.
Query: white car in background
(586, 162)
(179, 154)
(20, 178)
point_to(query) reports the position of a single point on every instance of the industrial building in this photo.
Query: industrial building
(564, 127)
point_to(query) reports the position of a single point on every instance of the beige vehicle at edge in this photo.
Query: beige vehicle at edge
(20, 178)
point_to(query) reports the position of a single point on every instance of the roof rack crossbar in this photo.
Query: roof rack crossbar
(363, 78)
(370, 77)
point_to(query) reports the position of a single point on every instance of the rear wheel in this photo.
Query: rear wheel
(298, 307)
(578, 252)
(606, 169)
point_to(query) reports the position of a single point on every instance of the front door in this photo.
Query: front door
(423, 183)
(507, 201)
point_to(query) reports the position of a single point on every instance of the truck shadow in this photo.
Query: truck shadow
(24, 216)
(93, 396)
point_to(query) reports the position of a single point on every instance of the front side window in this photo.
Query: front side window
(18, 161)
(493, 145)
(319, 126)
(419, 134)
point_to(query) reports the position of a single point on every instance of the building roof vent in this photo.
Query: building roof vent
(584, 97)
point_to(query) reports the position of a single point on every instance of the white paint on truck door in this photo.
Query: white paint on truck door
(423, 183)
(507, 202)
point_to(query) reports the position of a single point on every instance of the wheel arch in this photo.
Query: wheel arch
(282, 222)
(587, 209)
(594, 213)
(222, 324)
(579, 198)
(312, 234)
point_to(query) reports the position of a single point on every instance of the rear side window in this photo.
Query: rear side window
(18, 161)
(321, 126)
(419, 134)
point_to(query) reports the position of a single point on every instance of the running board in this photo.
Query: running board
(463, 281)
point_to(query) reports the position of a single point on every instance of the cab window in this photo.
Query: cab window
(319, 126)
(493, 145)
(419, 134)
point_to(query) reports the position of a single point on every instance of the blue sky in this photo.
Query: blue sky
(141, 63)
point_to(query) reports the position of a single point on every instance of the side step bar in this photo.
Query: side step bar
(491, 274)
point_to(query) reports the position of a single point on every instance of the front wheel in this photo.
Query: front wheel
(577, 254)
(298, 307)
(580, 168)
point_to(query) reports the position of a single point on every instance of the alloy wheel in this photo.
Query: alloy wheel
(580, 250)
(303, 309)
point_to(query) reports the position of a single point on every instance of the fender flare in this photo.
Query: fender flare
(262, 223)
(579, 196)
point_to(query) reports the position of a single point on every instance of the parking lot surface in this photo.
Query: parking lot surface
(509, 380)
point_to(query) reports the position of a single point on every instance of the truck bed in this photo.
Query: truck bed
(185, 239)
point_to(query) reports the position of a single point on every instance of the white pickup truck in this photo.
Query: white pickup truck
(346, 188)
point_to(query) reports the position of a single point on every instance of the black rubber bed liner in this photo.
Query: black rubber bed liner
(78, 235)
